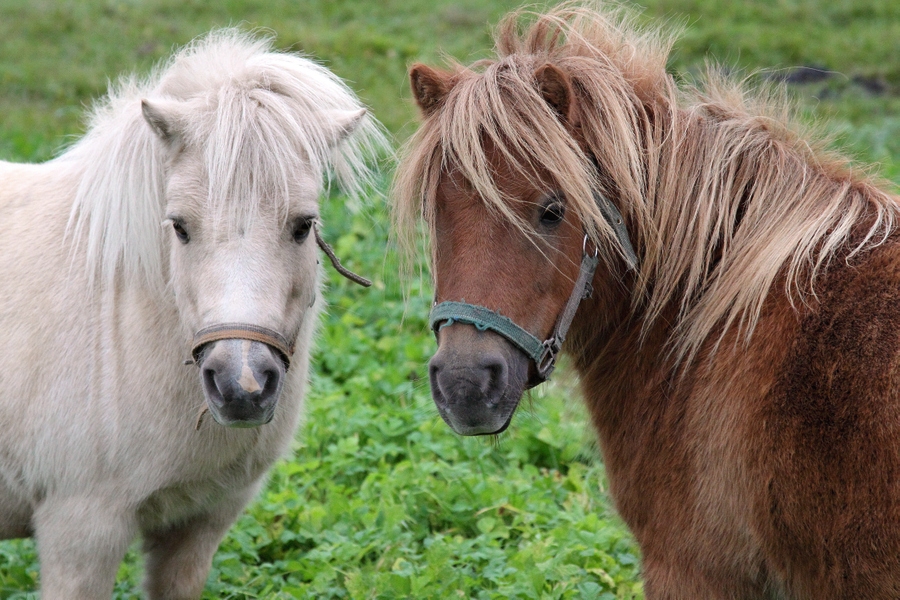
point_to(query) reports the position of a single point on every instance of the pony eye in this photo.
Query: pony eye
(180, 232)
(302, 227)
(552, 213)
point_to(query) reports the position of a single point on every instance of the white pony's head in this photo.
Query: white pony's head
(229, 147)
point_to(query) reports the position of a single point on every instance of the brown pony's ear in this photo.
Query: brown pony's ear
(429, 87)
(556, 88)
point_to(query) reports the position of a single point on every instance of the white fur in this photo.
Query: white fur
(100, 301)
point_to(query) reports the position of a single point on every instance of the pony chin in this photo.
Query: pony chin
(477, 380)
(240, 423)
(464, 425)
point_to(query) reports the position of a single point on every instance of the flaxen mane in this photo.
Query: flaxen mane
(263, 116)
(723, 194)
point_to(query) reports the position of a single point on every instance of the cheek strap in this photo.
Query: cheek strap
(544, 353)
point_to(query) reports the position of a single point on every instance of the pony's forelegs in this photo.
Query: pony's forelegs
(178, 557)
(81, 542)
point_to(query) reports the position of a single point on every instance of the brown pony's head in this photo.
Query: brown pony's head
(510, 195)
(522, 267)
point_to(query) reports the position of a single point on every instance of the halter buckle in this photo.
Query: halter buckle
(547, 361)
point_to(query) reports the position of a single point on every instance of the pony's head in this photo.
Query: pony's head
(237, 142)
(519, 210)
(501, 285)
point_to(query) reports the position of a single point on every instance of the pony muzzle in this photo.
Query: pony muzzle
(477, 379)
(242, 371)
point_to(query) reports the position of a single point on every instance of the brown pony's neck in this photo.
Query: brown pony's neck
(606, 325)
(619, 368)
(627, 350)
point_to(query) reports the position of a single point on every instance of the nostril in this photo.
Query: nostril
(211, 385)
(495, 372)
(270, 379)
(435, 370)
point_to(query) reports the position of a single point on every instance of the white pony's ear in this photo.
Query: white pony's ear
(343, 123)
(164, 117)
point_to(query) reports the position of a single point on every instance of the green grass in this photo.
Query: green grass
(379, 498)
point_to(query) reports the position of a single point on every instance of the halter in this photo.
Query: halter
(544, 353)
(242, 331)
(257, 333)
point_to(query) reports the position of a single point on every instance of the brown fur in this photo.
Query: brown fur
(744, 379)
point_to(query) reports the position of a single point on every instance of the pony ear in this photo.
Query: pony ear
(343, 123)
(163, 117)
(429, 87)
(556, 88)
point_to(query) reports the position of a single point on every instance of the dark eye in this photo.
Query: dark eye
(302, 227)
(180, 231)
(553, 211)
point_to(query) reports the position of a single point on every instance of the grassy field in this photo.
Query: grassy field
(379, 498)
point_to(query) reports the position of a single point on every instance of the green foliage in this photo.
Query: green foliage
(379, 499)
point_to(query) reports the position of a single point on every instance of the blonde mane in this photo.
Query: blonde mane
(224, 78)
(723, 194)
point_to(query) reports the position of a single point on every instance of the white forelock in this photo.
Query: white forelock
(258, 116)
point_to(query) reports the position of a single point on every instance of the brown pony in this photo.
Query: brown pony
(741, 365)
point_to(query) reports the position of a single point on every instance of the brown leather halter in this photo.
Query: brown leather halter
(242, 331)
(257, 333)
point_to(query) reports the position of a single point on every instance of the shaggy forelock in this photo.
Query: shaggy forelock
(499, 100)
(260, 118)
(724, 195)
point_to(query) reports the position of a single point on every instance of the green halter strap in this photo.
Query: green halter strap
(542, 353)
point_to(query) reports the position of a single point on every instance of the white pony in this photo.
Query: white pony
(182, 224)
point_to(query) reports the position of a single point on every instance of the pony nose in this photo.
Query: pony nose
(481, 378)
(242, 381)
(477, 378)
(470, 391)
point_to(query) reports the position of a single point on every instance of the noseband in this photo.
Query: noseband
(544, 353)
(257, 333)
(242, 331)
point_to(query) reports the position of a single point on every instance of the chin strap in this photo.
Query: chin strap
(544, 354)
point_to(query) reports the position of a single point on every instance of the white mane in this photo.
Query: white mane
(224, 78)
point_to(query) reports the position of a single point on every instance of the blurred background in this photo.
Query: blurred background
(379, 499)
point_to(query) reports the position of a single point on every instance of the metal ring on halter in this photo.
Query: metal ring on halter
(242, 331)
(584, 247)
